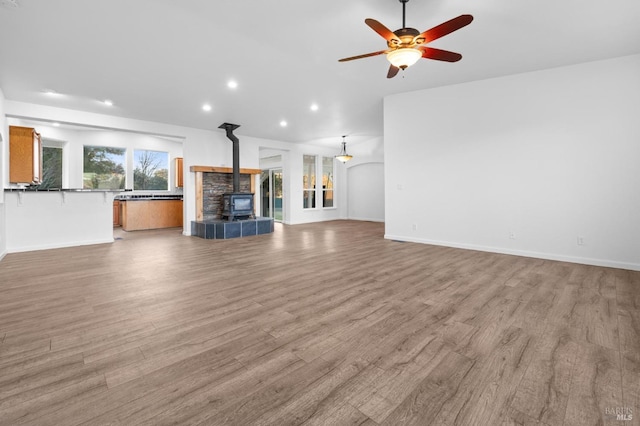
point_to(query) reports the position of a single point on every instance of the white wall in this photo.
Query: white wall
(524, 164)
(366, 192)
(365, 180)
(365, 195)
(4, 142)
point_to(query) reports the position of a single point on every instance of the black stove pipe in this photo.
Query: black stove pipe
(236, 153)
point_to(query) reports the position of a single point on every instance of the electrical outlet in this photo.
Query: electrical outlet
(414, 227)
(580, 241)
(512, 235)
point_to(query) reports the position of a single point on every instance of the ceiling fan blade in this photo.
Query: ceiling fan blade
(366, 55)
(385, 32)
(439, 55)
(443, 29)
(392, 71)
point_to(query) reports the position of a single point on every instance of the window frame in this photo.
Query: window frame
(319, 194)
(167, 158)
(62, 146)
(332, 179)
(123, 185)
(311, 186)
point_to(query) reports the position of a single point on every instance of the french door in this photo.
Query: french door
(271, 193)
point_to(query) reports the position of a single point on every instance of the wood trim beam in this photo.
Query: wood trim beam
(211, 169)
(199, 198)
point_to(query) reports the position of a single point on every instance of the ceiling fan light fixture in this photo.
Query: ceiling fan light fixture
(404, 57)
(343, 156)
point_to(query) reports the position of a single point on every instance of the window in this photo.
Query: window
(151, 170)
(103, 168)
(309, 181)
(327, 181)
(51, 167)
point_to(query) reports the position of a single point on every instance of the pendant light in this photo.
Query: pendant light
(343, 156)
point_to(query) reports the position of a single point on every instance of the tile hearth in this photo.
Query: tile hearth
(223, 229)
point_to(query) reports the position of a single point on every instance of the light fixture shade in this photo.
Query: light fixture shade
(343, 156)
(405, 57)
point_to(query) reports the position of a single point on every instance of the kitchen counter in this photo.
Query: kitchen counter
(36, 189)
(153, 197)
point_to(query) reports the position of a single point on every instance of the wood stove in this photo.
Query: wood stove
(237, 206)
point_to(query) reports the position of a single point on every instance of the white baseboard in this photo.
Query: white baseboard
(547, 256)
(61, 245)
(304, 222)
(367, 219)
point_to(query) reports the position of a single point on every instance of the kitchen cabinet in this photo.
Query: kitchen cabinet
(150, 214)
(25, 155)
(179, 172)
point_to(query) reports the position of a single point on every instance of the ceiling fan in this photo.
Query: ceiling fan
(407, 45)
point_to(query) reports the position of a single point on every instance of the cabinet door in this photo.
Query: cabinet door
(25, 155)
(179, 172)
(116, 213)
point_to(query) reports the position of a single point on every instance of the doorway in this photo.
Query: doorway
(271, 193)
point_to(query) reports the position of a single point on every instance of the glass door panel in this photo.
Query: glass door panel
(265, 193)
(271, 194)
(277, 198)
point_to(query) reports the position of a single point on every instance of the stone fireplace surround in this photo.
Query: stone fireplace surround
(211, 183)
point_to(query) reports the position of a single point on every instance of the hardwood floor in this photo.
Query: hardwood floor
(320, 324)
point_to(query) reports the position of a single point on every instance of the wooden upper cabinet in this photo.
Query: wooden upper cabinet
(25, 155)
(179, 172)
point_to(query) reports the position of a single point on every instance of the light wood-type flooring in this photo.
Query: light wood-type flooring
(319, 324)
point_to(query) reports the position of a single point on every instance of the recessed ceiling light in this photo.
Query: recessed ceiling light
(206, 107)
(283, 123)
(314, 107)
(232, 84)
(49, 92)
(10, 3)
(108, 102)
(56, 124)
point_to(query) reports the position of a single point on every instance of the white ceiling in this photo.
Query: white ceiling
(161, 60)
